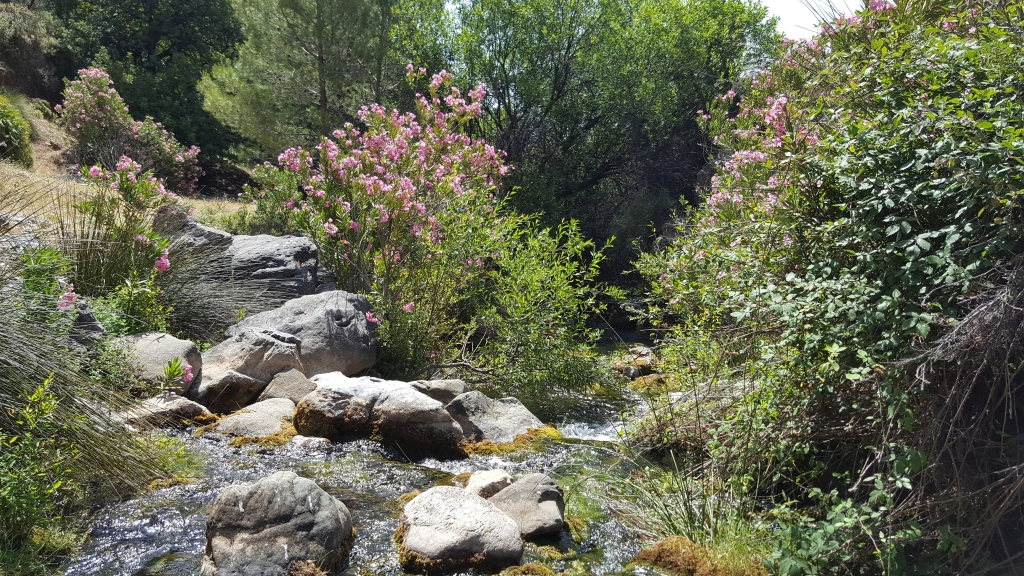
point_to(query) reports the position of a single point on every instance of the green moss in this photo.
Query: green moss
(530, 439)
(529, 570)
(272, 441)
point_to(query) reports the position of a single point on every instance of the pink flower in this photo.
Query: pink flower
(371, 318)
(330, 228)
(95, 172)
(67, 299)
(162, 263)
(187, 376)
(408, 307)
(354, 226)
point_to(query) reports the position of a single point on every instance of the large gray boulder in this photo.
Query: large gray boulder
(499, 421)
(289, 261)
(446, 529)
(154, 350)
(332, 327)
(165, 410)
(265, 528)
(536, 503)
(290, 384)
(394, 412)
(174, 223)
(258, 420)
(239, 368)
(444, 391)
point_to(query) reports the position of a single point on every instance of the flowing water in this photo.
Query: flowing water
(162, 532)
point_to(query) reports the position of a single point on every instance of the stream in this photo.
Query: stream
(161, 532)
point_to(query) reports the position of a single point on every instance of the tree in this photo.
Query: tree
(595, 100)
(156, 51)
(309, 65)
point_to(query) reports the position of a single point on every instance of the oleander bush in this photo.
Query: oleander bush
(842, 312)
(405, 212)
(96, 116)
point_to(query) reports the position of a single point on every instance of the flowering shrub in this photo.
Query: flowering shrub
(114, 252)
(870, 199)
(14, 135)
(97, 117)
(404, 211)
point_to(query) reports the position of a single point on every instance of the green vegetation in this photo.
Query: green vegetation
(842, 312)
(15, 135)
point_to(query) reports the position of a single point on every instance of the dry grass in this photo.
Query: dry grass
(47, 194)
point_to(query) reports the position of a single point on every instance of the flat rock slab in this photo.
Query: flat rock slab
(536, 504)
(499, 421)
(444, 391)
(290, 384)
(331, 328)
(265, 528)
(165, 410)
(446, 529)
(260, 419)
(393, 412)
(154, 350)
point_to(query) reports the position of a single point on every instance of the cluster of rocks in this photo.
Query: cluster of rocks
(636, 362)
(281, 523)
(292, 365)
(482, 526)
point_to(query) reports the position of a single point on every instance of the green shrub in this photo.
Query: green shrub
(32, 465)
(851, 287)
(15, 135)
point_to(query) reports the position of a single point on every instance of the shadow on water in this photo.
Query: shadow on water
(161, 533)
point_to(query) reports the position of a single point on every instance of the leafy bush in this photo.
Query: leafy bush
(15, 134)
(859, 239)
(404, 212)
(97, 117)
(26, 492)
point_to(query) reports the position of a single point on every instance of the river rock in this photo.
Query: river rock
(239, 368)
(499, 421)
(154, 350)
(265, 528)
(446, 529)
(395, 412)
(289, 261)
(332, 327)
(444, 391)
(290, 384)
(536, 503)
(165, 410)
(259, 419)
(173, 222)
(487, 483)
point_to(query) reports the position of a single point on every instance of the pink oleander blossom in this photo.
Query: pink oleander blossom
(187, 376)
(162, 263)
(371, 318)
(68, 298)
(408, 307)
